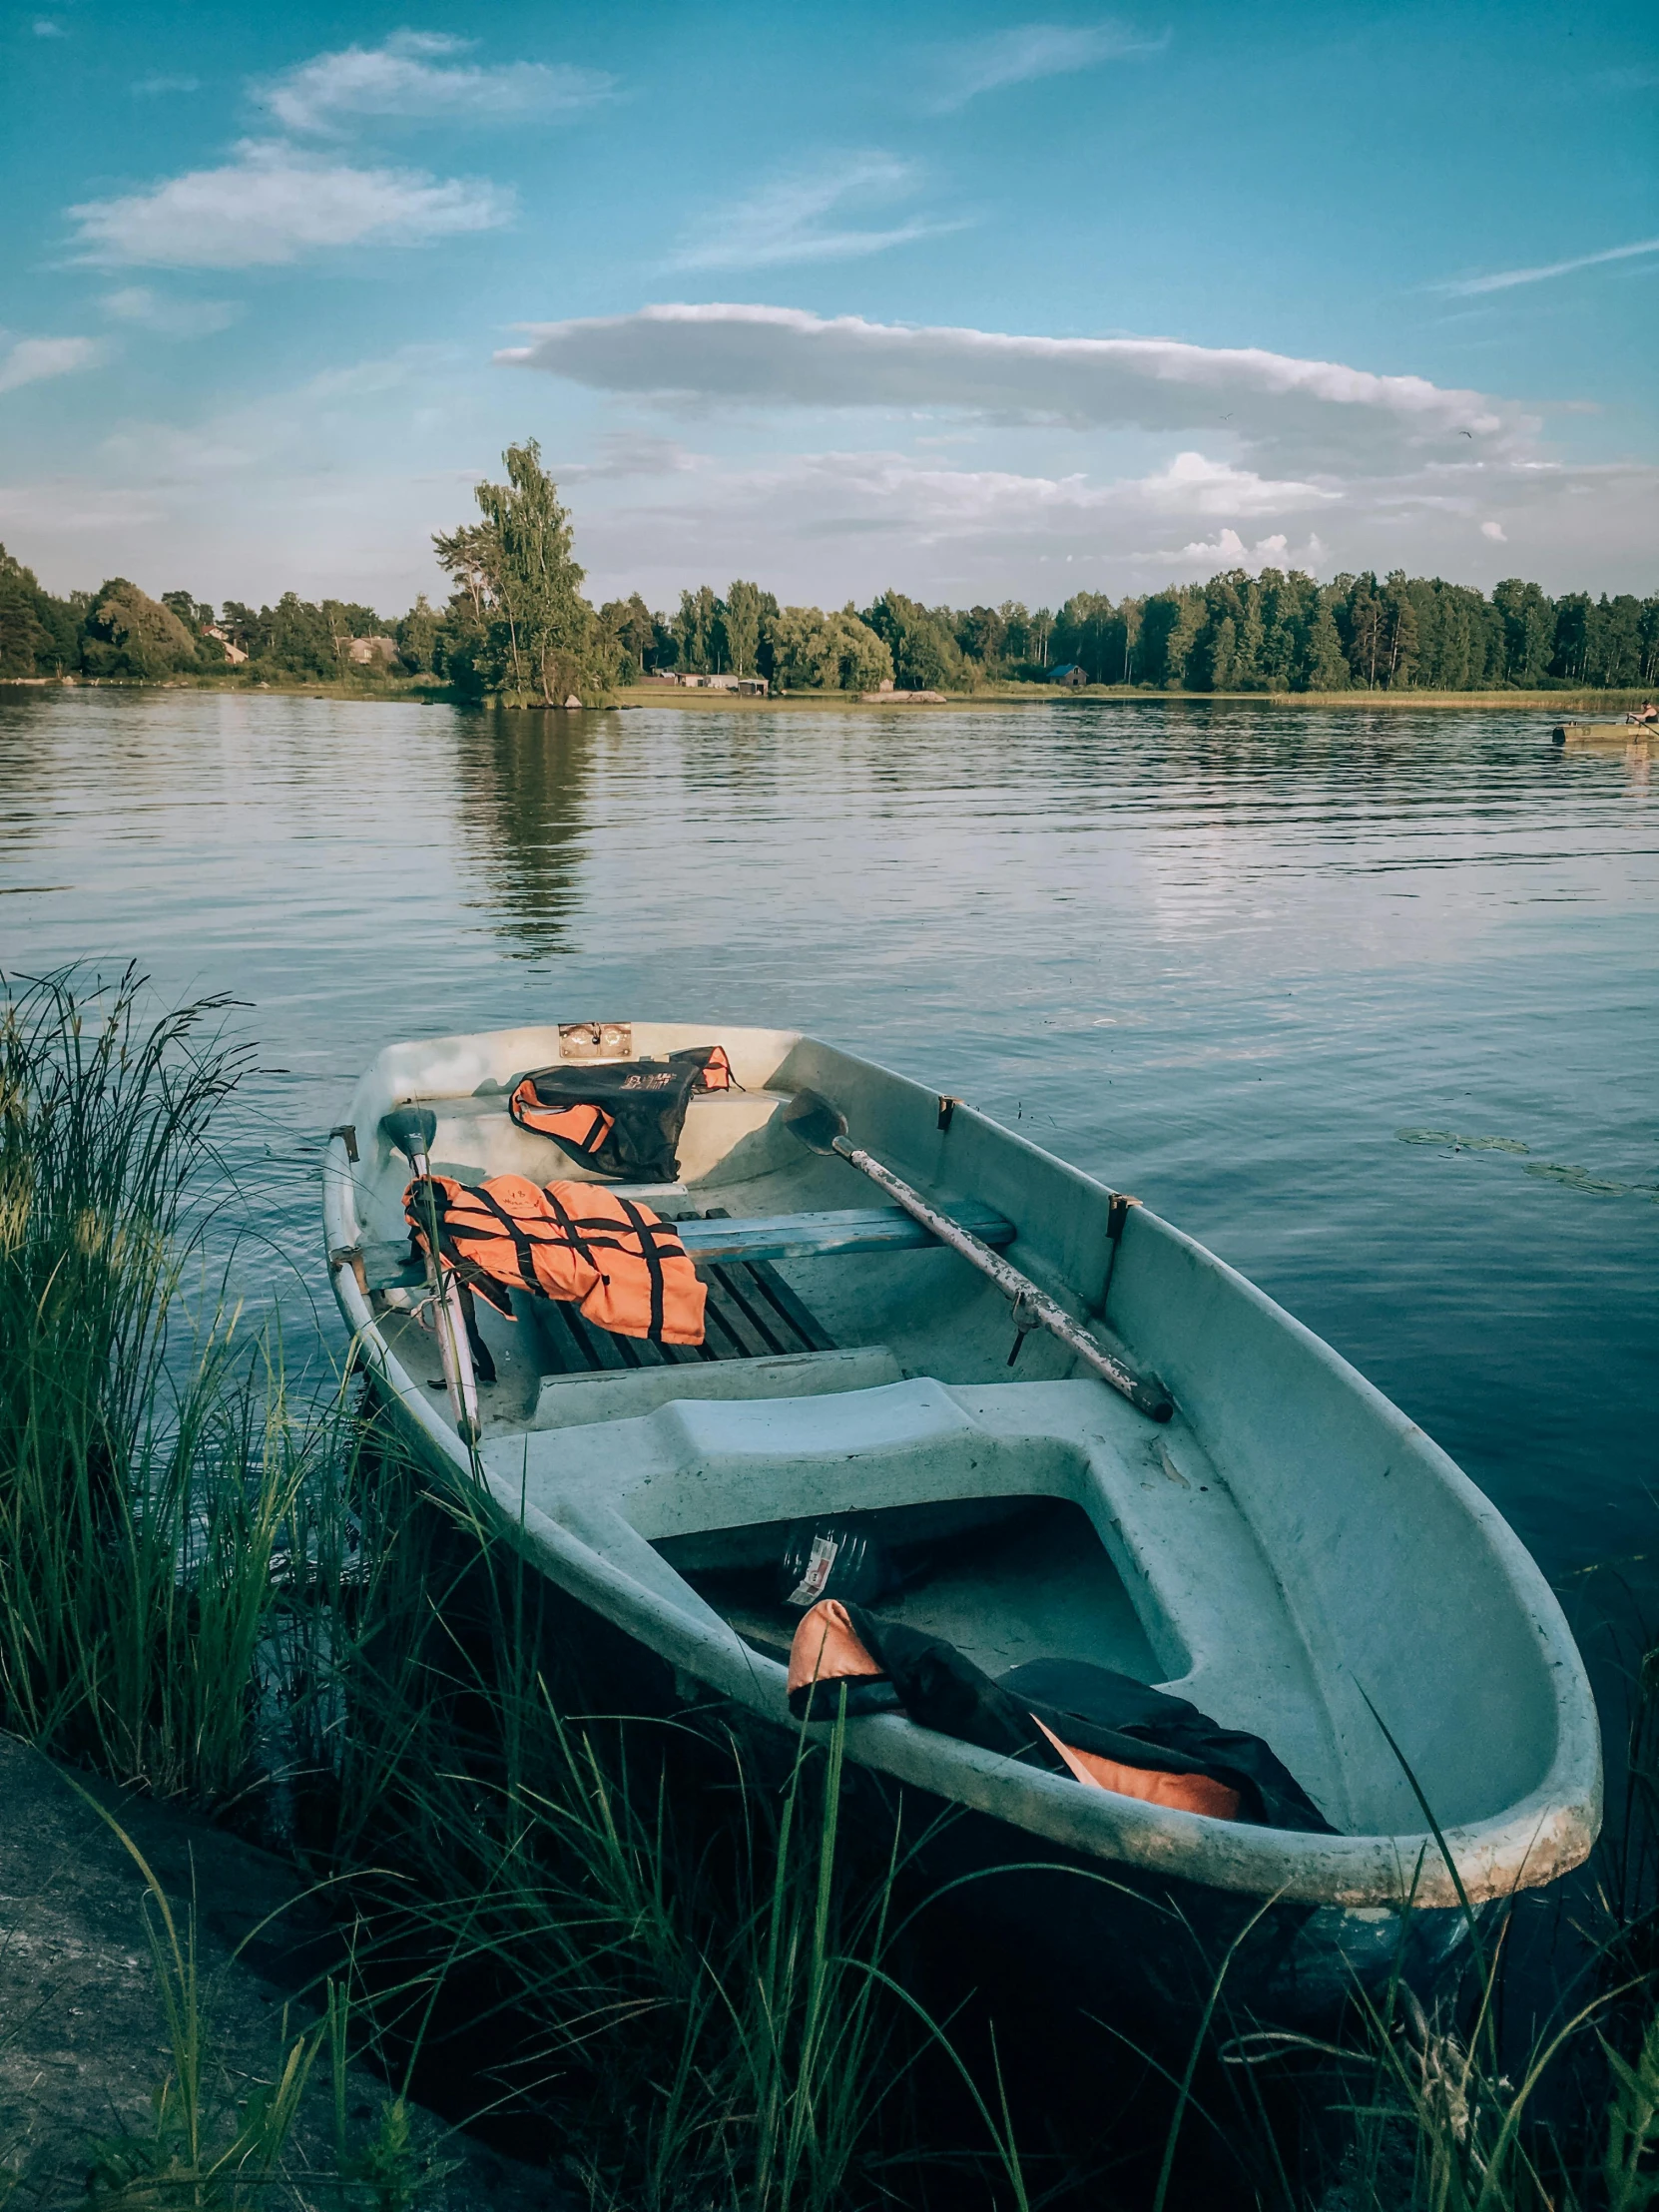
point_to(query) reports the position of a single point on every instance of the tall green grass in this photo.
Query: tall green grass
(640, 1931)
(149, 1464)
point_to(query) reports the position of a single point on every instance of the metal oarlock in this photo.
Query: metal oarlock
(411, 1129)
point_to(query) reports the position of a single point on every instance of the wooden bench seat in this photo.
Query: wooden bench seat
(822, 1236)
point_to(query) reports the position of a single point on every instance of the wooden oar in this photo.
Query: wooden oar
(411, 1129)
(821, 1129)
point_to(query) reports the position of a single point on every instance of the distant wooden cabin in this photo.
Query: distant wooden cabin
(1069, 673)
(369, 652)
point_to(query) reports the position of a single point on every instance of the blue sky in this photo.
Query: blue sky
(969, 301)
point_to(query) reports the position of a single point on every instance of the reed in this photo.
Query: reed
(149, 1464)
(644, 1932)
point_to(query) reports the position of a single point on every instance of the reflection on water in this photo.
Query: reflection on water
(1221, 955)
(520, 790)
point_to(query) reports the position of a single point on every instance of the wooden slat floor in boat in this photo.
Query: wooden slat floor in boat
(750, 1312)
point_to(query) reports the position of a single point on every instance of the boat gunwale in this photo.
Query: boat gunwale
(1541, 1836)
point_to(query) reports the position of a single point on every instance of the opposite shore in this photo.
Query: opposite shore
(427, 692)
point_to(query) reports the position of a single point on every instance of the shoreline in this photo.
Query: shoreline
(429, 691)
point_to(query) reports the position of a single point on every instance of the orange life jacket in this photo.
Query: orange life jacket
(581, 1129)
(577, 1241)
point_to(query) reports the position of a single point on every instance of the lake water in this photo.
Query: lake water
(1241, 960)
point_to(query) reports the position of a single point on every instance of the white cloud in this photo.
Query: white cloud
(1465, 287)
(823, 526)
(147, 88)
(44, 27)
(1494, 531)
(170, 318)
(841, 492)
(1027, 51)
(31, 359)
(1196, 485)
(272, 203)
(414, 76)
(804, 218)
(1228, 550)
(1323, 412)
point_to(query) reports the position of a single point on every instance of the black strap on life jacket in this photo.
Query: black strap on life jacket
(571, 1227)
(653, 1259)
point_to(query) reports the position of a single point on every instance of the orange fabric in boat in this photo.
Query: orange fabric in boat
(580, 1128)
(826, 1648)
(576, 1242)
(717, 1068)
(1187, 1792)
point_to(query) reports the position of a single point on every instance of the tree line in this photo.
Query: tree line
(517, 626)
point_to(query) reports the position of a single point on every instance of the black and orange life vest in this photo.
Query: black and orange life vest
(622, 1118)
(577, 1241)
(1105, 1729)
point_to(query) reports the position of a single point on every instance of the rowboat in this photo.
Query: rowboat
(1626, 731)
(1286, 1550)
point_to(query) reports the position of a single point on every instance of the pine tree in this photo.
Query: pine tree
(1321, 663)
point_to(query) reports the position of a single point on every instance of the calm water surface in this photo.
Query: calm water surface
(1221, 956)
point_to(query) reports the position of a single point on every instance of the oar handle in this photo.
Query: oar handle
(1144, 1391)
(448, 1318)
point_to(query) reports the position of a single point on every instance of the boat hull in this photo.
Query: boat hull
(1291, 1553)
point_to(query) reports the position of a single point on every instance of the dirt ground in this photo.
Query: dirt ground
(83, 2042)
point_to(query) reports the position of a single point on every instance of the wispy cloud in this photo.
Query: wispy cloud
(30, 361)
(1465, 287)
(624, 453)
(271, 204)
(417, 75)
(44, 27)
(1028, 51)
(808, 215)
(1493, 530)
(149, 88)
(171, 318)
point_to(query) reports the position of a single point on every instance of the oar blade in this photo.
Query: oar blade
(815, 1121)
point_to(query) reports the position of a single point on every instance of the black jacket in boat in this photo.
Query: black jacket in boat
(1088, 1706)
(622, 1118)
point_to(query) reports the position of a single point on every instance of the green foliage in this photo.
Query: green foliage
(696, 636)
(814, 651)
(923, 643)
(39, 635)
(517, 572)
(740, 628)
(128, 634)
(517, 625)
(23, 635)
(417, 637)
(1629, 2168)
(628, 634)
